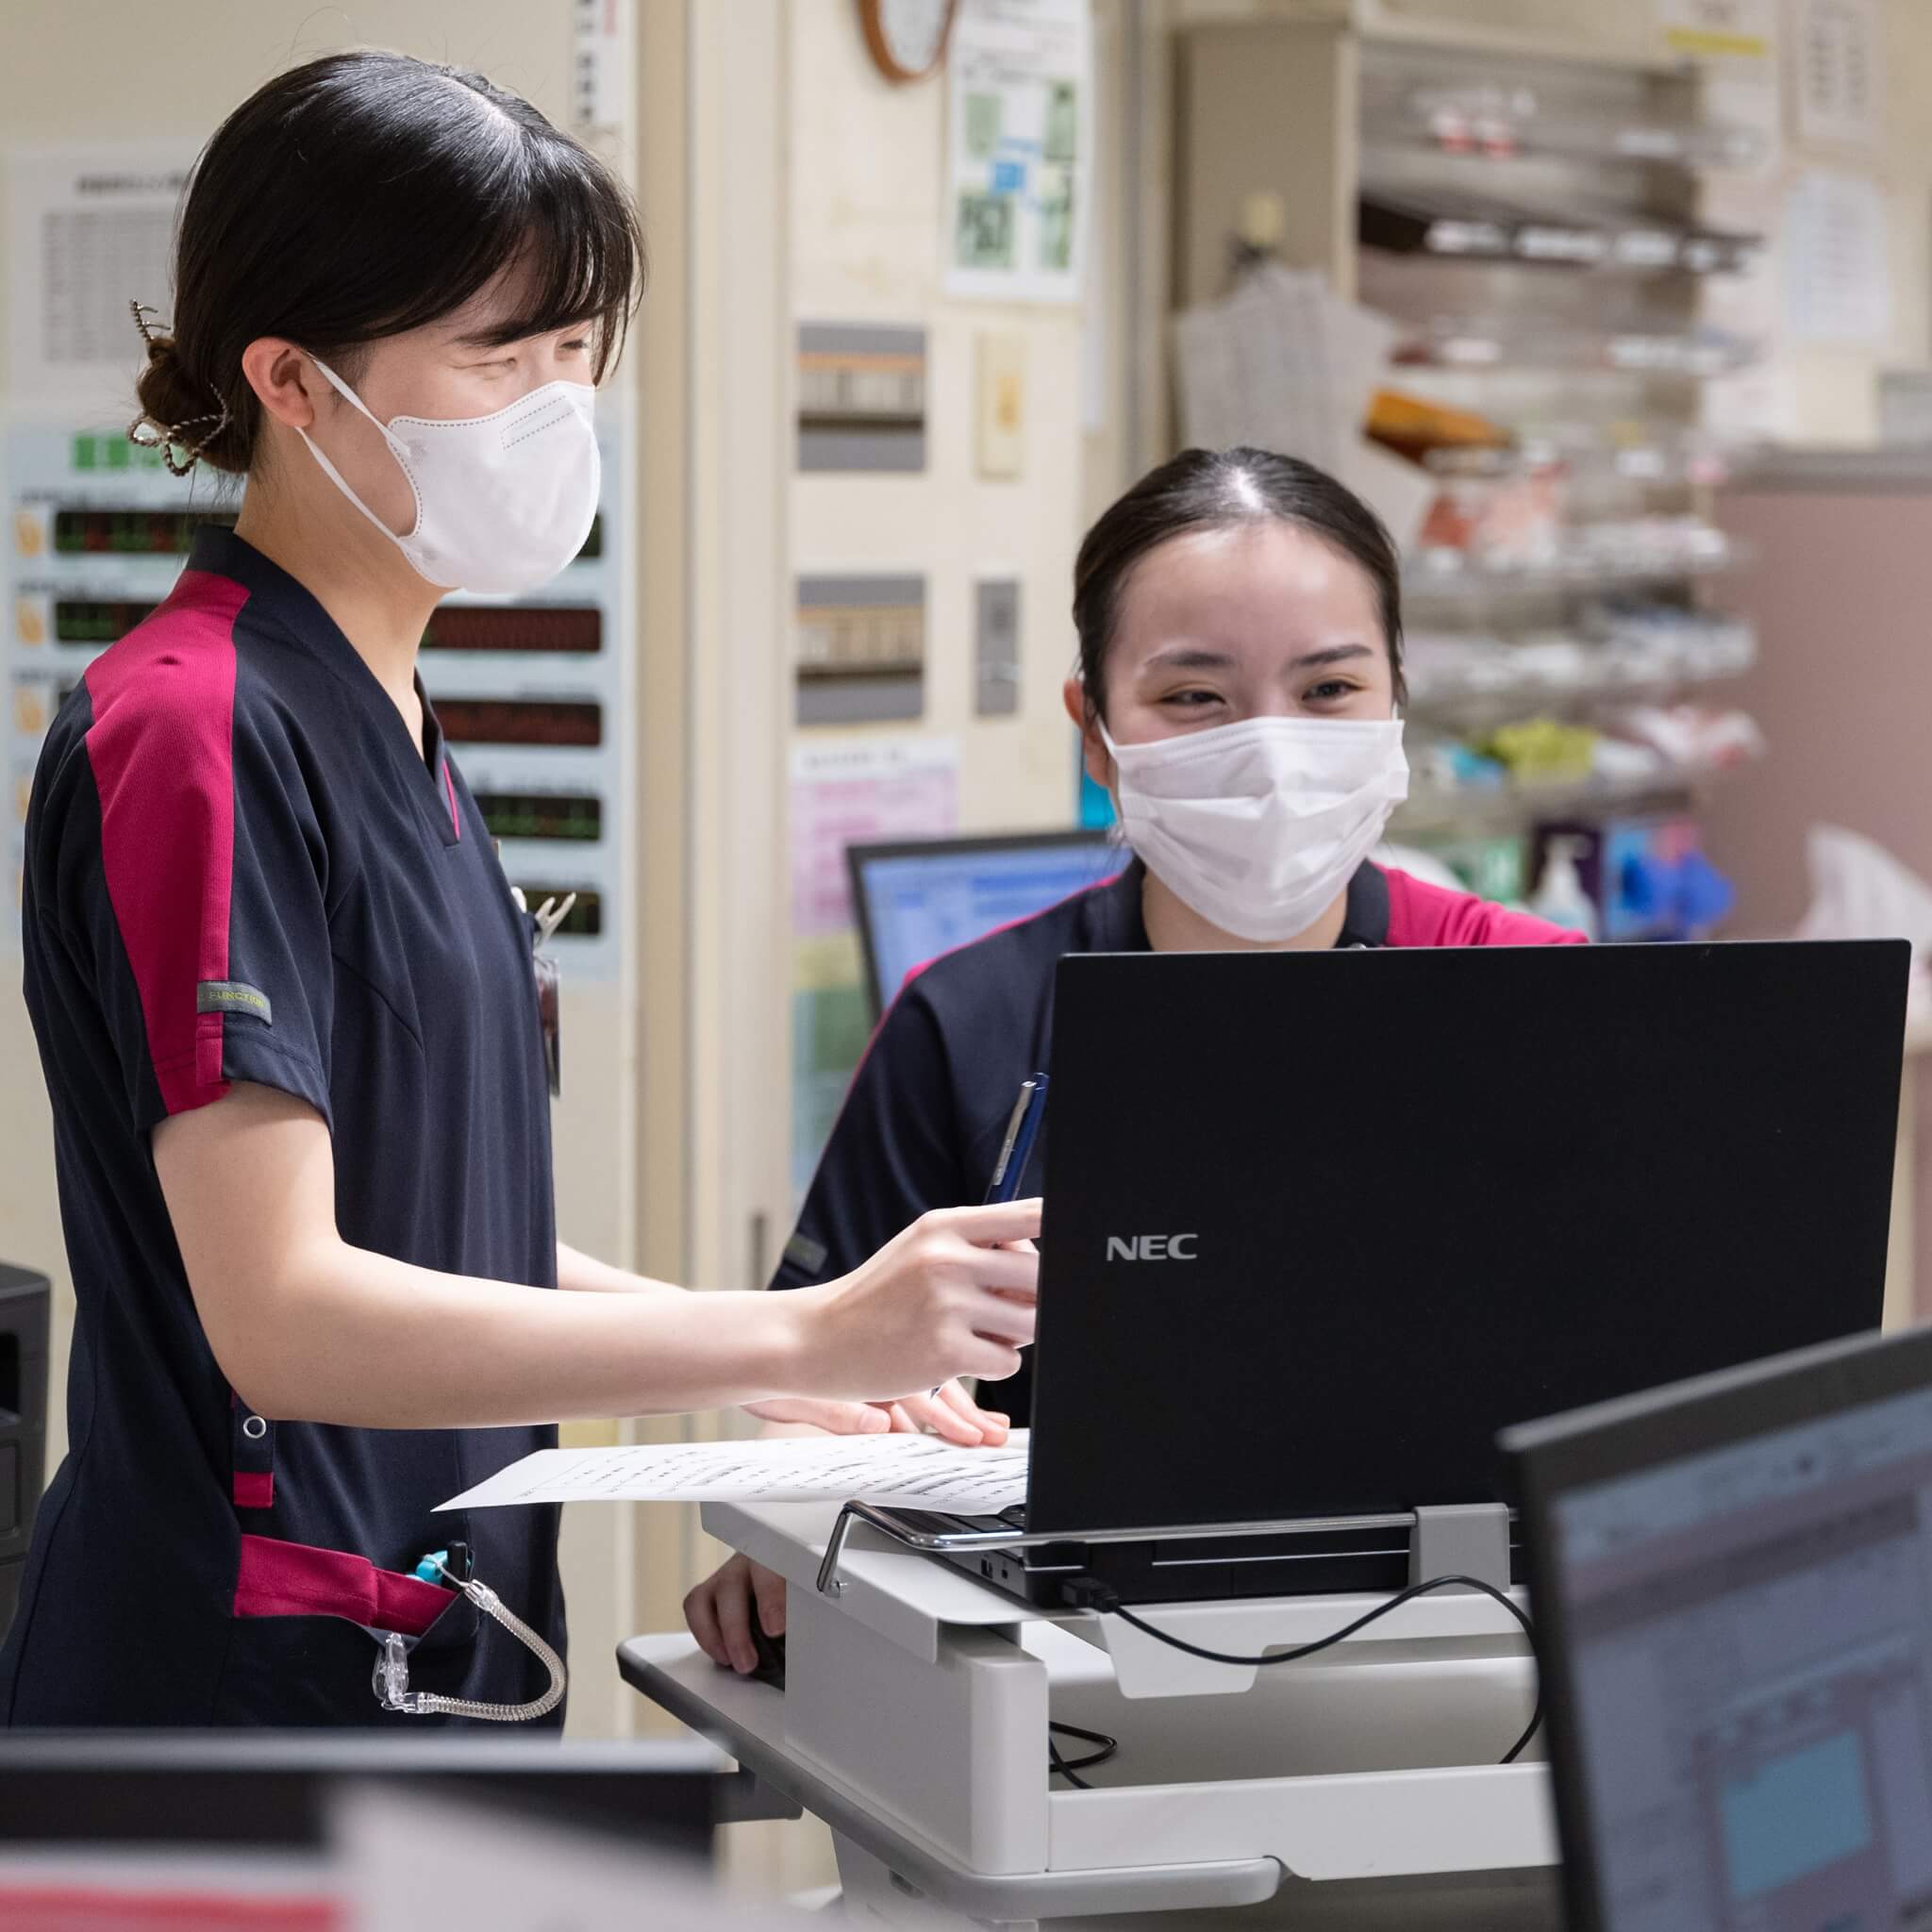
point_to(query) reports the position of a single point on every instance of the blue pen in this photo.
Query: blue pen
(1022, 1129)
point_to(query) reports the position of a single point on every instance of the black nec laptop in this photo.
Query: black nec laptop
(1319, 1224)
(1730, 1582)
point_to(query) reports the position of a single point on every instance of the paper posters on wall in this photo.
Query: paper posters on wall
(846, 791)
(1759, 401)
(856, 790)
(91, 229)
(1837, 61)
(1838, 274)
(602, 59)
(1720, 32)
(1020, 142)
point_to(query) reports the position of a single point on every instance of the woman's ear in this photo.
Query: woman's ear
(283, 379)
(1093, 752)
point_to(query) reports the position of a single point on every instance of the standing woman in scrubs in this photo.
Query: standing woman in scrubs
(1240, 622)
(284, 1001)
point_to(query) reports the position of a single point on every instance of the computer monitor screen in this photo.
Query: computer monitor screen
(1748, 1648)
(915, 901)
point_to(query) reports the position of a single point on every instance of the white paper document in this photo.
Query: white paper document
(1837, 65)
(1020, 143)
(919, 1469)
(91, 229)
(1838, 274)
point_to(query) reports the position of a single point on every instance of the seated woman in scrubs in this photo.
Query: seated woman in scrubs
(1240, 673)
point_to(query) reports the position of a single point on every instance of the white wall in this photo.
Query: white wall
(866, 174)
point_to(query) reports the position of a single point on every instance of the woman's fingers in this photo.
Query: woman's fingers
(993, 1427)
(734, 1607)
(942, 1418)
(715, 1610)
(768, 1587)
(835, 1418)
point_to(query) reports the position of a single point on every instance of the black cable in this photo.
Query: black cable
(1108, 1746)
(1059, 1766)
(1098, 1597)
(1071, 1768)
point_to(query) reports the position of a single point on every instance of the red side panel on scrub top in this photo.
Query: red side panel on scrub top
(161, 749)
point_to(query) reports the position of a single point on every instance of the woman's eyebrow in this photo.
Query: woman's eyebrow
(1332, 653)
(1194, 658)
(1188, 658)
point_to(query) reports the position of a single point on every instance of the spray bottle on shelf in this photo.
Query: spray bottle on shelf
(1559, 894)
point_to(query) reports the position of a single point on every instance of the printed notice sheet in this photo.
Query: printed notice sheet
(1020, 143)
(91, 229)
(919, 1469)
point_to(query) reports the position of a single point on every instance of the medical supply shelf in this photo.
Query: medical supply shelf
(1431, 591)
(1363, 127)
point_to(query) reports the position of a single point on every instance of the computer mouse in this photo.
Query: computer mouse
(770, 1650)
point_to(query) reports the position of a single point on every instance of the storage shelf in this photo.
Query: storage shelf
(1426, 588)
(1471, 707)
(1451, 226)
(1472, 347)
(1501, 123)
(1661, 458)
(1430, 809)
(1380, 20)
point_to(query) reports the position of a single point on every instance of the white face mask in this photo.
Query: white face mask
(503, 502)
(1260, 825)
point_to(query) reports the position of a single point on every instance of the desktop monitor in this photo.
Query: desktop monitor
(1732, 1582)
(923, 897)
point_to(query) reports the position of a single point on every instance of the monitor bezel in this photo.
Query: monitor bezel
(1555, 1457)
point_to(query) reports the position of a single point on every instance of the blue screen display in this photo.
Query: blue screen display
(922, 905)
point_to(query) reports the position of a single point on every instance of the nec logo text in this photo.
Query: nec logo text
(1151, 1247)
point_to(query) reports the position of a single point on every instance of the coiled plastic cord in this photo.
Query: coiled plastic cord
(393, 1670)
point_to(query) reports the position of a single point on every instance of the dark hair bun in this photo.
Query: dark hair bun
(188, 412)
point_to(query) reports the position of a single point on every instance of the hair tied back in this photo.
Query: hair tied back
(147, 431)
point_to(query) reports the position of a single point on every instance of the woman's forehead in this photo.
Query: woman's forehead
(1253, 585)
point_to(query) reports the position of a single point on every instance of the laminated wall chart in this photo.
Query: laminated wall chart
(532, 694)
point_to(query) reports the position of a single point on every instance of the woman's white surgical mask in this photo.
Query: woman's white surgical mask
(504, 501)
(1260, 825)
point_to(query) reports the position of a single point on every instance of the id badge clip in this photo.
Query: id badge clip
(544, 921)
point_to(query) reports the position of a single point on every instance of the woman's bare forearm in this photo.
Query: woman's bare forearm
(350, 1336)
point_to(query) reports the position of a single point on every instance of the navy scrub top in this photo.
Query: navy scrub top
(240, 868)
(928, 1107)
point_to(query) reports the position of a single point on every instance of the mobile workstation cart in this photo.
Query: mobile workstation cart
(914, 1720)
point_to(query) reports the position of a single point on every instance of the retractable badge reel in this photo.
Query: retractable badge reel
(391, 1677)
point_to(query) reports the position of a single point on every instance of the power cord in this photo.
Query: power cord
(1089, 1594)
(1071, 1768)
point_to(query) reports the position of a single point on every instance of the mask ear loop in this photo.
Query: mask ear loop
(341, 482)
